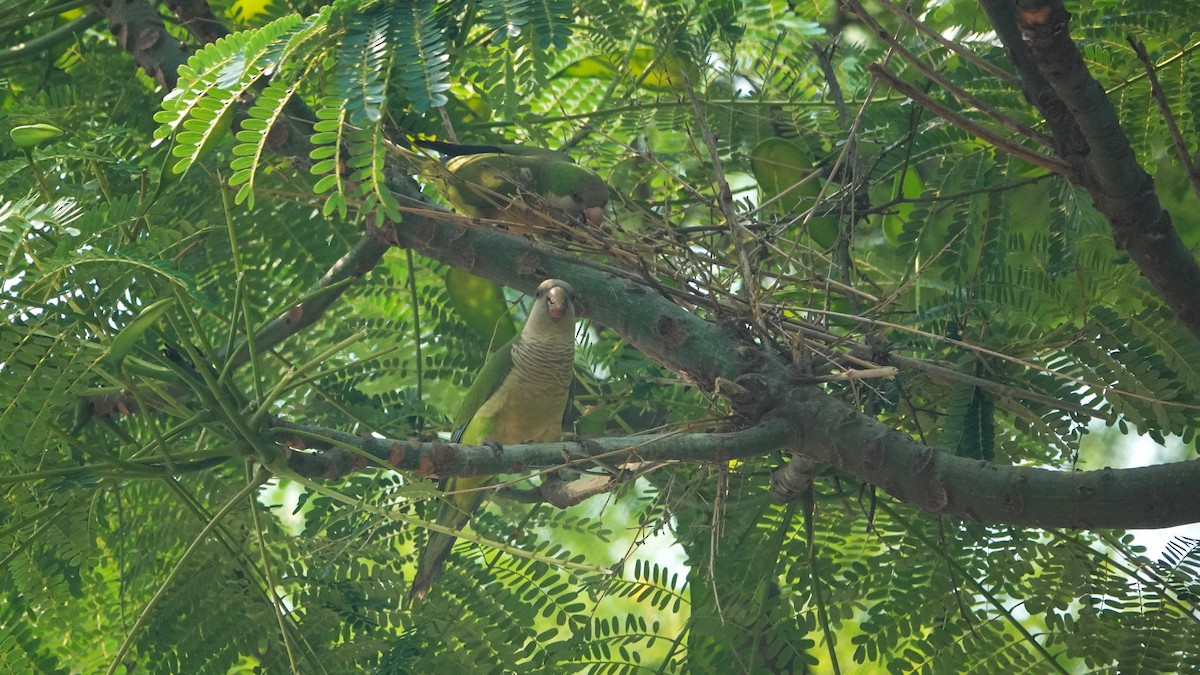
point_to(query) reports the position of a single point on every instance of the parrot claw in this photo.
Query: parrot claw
(496, 447)
(591, 449)
(589, 446)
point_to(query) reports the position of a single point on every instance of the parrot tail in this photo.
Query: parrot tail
(455, 514)
(437, 549)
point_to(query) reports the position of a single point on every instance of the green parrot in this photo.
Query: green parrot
(527, 188)
(519, 396)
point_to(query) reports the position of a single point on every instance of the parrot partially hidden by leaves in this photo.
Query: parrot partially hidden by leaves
(526, 187)
(519, 396)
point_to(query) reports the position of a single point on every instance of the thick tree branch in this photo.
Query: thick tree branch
(437, 459)
(1151, 497)
(1068, 139)
(815, 427)
(1088, 134)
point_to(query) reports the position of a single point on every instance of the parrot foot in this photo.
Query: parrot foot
(496, 447)
(589, 446)
(590, 449)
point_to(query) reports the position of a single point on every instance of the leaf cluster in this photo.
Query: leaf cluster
(137, 261)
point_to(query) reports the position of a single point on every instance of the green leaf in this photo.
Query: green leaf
(481, 305)
(29, 136)
(132, 333)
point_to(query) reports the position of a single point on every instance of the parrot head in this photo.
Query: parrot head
(553, 308)
(575, 192)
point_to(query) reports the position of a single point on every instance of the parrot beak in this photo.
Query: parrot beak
(593, 215)
(556, 302)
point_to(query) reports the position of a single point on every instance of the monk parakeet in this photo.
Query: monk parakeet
(528, 188)
(519, 396)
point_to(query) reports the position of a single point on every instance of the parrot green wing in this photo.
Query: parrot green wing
(570, 180)
(520, 185)
(488, 184)
(495, 369)
(457, 509)
(485, 184)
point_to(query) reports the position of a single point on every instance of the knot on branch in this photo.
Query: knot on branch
(878, 350)
(671, 331)
(794, 479)
(751, 394)
(750, 358)
(553, 490)
(331, 464)
(563, 494)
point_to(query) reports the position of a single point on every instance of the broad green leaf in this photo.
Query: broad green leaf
(134, 330)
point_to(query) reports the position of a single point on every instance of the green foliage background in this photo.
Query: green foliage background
(103, 494)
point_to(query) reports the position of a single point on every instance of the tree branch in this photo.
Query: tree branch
(365, 255)
(1088, 135)
(437, 459)
(975, 129)
(944, 82)
(140, 32)
(905, 14)
(29, 48)
(821, 428)
(1151, 497)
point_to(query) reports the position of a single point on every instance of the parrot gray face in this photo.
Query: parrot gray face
(570, 192)
(553, 309)
(588, 201)
(554, 306)
(575, 208)
(558, 303)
